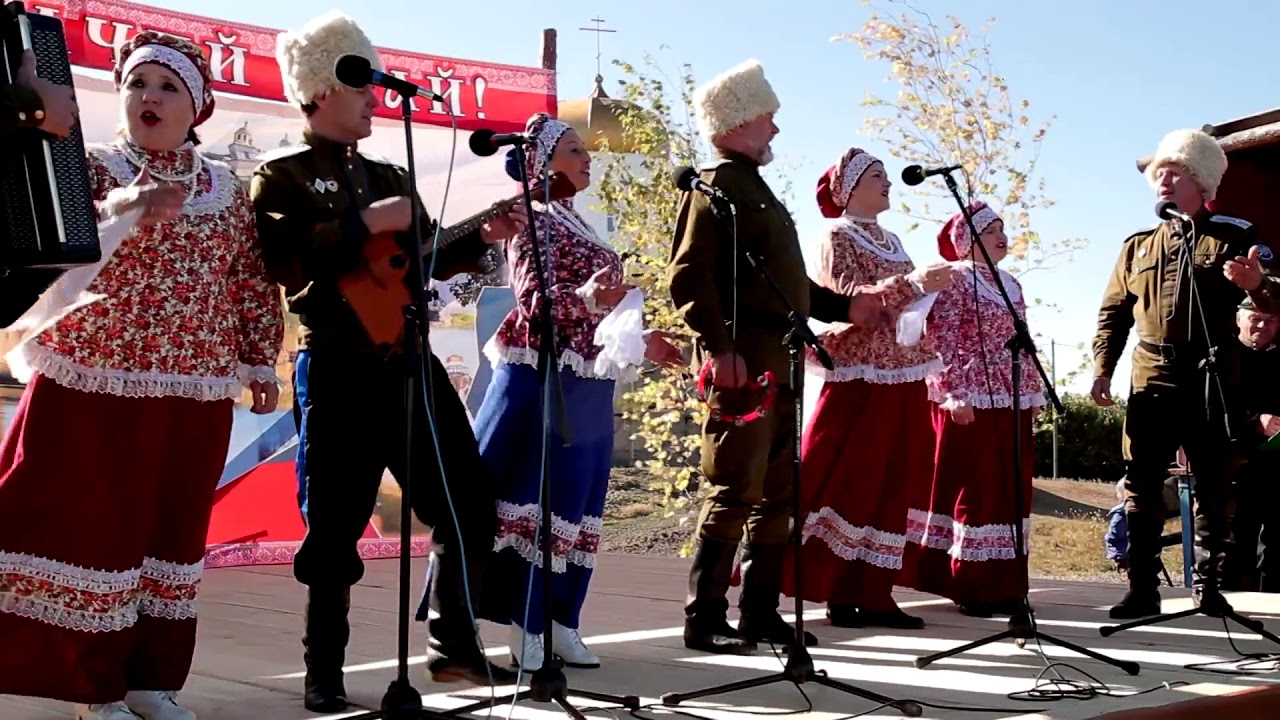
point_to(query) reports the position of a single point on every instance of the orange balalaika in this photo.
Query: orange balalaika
(378, 291)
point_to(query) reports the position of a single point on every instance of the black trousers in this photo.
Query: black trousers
(1159, 420)
(1253, 561)
(355, 417)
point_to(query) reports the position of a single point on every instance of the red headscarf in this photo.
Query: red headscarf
(954, 240)
(836, 184)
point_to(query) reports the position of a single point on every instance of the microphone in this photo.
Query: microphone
(356, 71)
(687, 180)
(914, 174)
(1166, 210)
(486, 142)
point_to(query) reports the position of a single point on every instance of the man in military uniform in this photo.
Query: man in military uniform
(1254, 556)
(317, 204)
(749, 465)
(1173, 401)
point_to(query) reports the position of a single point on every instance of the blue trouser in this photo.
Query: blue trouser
(300, 425)
(508, 427)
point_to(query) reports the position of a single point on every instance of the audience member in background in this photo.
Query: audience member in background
(1117, 537)
(1249, 566)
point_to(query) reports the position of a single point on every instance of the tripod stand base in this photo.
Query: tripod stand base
(1250, 624)
(1020, 631)
(401, 702)
(799, 670)
(548, 684)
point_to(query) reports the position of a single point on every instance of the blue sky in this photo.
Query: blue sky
(1117, 76)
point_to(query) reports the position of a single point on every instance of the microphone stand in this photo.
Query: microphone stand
(1022, 626)
(548, 683)
(402, 701)
(1212, 381)
(799, 668)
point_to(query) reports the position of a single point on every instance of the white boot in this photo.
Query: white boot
(568, 646)
(532, 644)
(108, 711)
(152, 705)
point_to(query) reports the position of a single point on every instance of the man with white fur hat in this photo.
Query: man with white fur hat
(749, 465)
(317, 204)
(1172, 402)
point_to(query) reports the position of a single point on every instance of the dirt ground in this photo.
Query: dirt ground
(1066, 541)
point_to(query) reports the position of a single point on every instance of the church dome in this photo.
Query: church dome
(597, 117)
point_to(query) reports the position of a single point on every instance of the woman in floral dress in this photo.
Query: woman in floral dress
(868, 440)
(132, 366)
(585, 281)
(960, 535)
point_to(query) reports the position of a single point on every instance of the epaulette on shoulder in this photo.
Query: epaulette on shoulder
(1229, 220)
(381, 160)
(1141, 233)
(283, 152)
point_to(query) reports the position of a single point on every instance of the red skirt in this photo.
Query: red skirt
(866, 446)
(960, 539)
(104, 511)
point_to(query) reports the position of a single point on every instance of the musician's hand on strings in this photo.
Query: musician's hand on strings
(505, 227)
(728, 371)
(266, 395)
(661, 351)
(1245, 272)
(389, 215)
(59, 100)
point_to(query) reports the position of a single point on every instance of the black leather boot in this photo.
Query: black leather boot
(1143, 596)
(1211, 558)
(324, 643)
(759, 620)
(453, 647)
(706, 624)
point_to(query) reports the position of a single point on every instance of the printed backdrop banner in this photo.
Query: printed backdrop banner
(242, 57)
(256, 518)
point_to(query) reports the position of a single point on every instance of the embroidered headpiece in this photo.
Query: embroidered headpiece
(180, 56)
(546, 132)
(954, 240)
(837, 183)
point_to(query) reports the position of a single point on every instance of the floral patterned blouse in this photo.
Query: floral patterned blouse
(187, 309)
(971, 336)
(572, 254)
(860, 252)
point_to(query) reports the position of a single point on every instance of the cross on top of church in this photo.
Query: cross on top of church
(598, 30)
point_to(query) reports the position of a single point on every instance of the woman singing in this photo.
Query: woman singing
(961, 535)
(584, 285)
(868, 441)
(132, 367)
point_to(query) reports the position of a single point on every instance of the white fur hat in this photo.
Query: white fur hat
(733, 98)
(307, 56)
(1196, 151)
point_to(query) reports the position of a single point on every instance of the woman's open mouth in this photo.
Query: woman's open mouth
(150, 119)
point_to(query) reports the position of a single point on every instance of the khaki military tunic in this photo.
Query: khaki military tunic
(1145, 295)
(749, 466)
(308, 200)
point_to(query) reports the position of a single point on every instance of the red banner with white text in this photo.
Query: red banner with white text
(478, 94)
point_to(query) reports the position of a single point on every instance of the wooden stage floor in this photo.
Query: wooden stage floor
(248, 662)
